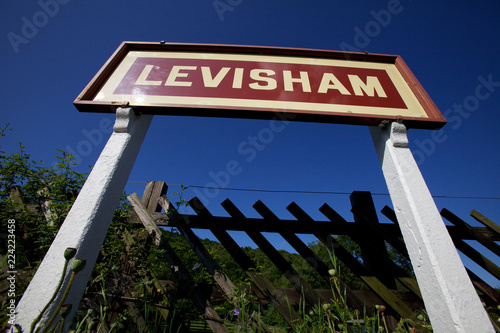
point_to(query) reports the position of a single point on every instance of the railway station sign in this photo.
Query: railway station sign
(262, 82)
(257, 82)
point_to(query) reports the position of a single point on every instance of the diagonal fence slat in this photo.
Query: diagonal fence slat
(485, 288)
(201, 303)
(357, 268)
(298, 282)
(477, 257)
(491, 293)
(469, 251)
(486, 221)
(466, 228)
(408, 282)
(195, 243)
(311, 258)
(300, 214)
(272, 295)
(278, 260)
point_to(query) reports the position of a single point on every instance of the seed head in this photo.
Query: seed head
(93, 324)
(78, 264)
(65, 310)
(69, 253)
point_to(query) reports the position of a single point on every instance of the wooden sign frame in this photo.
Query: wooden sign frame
(87, 101)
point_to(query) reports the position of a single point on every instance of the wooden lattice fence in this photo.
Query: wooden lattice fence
(376, 270)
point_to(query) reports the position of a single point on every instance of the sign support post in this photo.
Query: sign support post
(450, 299)
(87, 222)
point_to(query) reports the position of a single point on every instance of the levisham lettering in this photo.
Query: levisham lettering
(264, 79)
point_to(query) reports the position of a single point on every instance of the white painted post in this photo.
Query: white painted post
(88, 220)
(449, 296)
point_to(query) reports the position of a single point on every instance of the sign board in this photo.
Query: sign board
(258, 82)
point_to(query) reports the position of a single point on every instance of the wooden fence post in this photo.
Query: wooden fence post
(357, 268)
(372, 245)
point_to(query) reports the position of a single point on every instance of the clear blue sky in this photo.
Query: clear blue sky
(50, 49)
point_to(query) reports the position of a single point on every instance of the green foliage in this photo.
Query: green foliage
(38, 197)
(337, 316)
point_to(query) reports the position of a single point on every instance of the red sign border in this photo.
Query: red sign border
(84, 102)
